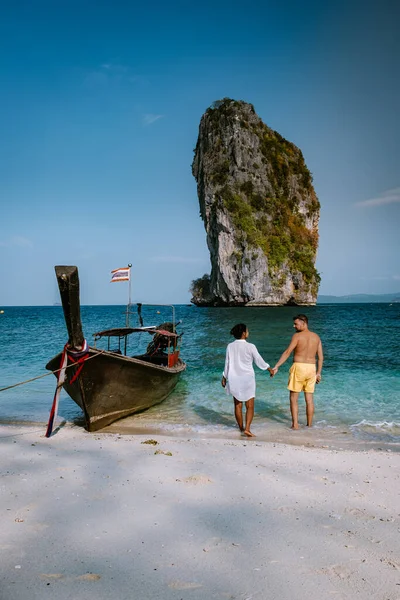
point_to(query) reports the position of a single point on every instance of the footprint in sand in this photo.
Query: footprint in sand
(184, 585)
(59, 576)
(340, 571)
(89, 577)
(360, 513)
(357, 494)
(197, 479)
(395, 564)
(286, 510)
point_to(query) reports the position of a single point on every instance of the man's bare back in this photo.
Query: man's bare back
(306, 347)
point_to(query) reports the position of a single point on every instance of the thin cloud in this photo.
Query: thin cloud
(149, 118)
(381, 278)
(96, 79)
(114, 68)
(375, 278)
(17, 241)
(138, 80)
(109, 73)
(388, 197)
(175, 259)
(23, 242)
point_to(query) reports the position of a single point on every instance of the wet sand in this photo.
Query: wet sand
(94, 516)
(319, 436)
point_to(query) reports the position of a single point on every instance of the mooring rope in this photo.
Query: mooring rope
(9, 387)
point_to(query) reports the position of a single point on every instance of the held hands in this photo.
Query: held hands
(223, 382)
(273, 371)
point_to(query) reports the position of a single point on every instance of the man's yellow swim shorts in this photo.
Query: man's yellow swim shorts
(302, 377)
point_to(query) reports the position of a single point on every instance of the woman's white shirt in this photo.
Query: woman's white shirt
(239, 372)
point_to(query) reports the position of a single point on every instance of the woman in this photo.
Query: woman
(238, 376)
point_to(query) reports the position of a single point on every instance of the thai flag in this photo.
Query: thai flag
(123, 274)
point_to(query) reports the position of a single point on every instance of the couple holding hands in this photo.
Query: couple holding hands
(239, 379)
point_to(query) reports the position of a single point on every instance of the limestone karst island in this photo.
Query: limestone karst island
(259, 209)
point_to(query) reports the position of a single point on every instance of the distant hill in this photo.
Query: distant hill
(359, 298)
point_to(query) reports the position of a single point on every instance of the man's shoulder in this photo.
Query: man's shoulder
(305, 335)
(314, 336)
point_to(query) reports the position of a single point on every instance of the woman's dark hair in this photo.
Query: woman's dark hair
(238, 330)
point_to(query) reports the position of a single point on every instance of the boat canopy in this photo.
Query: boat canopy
(165, 332)
(121, 332)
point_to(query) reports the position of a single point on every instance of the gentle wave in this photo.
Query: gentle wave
(324, 425)
(383, 431)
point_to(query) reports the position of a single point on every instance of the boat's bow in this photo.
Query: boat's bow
(68, 284)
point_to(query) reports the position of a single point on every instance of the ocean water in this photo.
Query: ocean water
(358, 399)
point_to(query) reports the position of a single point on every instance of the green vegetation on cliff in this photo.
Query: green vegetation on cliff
(266, 218)
(200, 288)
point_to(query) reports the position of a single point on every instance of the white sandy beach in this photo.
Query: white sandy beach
(99, 516)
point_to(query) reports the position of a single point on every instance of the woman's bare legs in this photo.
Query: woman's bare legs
(249, 417)
(239, 414)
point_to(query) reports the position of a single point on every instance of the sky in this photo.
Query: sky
(100, 107)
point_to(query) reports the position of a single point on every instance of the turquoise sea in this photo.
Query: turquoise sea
(358, 401)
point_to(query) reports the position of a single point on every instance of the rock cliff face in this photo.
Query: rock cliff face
(259, 209)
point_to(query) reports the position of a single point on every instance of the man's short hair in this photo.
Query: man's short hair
(301, 318)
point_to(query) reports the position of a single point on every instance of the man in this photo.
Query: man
(303, 374)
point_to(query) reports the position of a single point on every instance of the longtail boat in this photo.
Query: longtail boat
(107, 384)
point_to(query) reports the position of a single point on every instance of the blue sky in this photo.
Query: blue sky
(101, 103)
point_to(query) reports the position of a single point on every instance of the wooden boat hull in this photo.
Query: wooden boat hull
(111, 386)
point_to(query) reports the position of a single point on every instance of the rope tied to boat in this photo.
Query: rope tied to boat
(14, 385)
(79, 357)
(60, 383)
